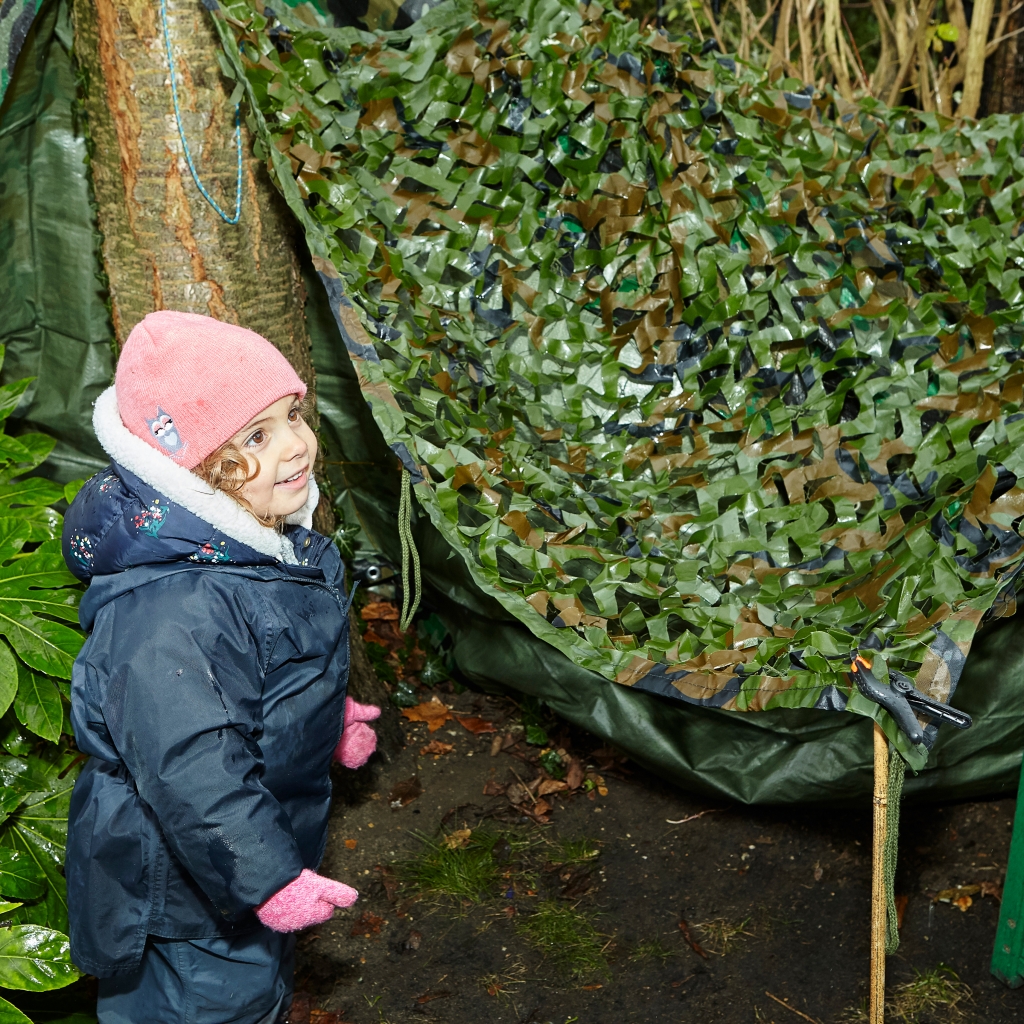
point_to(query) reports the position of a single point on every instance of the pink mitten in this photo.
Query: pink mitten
(358, 741)
(309, 899)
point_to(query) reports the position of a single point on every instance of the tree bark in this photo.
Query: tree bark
(164, 246)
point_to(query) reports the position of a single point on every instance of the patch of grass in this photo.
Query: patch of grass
(574, 851)
(651, 949)
(722, 936)
(936, 992)
(503, 984)
(567, 937)
(462, 867)
(933, 996)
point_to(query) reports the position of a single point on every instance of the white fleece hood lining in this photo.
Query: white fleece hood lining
(184, 488)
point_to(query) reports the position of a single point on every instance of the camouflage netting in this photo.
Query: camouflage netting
(712, 380)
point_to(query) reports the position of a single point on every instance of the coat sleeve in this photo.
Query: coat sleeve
(184, 709)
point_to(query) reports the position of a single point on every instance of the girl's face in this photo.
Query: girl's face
(280, 443)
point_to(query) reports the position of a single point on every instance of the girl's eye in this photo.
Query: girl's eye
(256, 438)
(294, 416)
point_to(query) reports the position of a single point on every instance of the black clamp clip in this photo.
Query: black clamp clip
(904, 702)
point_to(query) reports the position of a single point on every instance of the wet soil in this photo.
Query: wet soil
(793, 883)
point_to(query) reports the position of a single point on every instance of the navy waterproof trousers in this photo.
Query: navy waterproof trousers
(246, 979)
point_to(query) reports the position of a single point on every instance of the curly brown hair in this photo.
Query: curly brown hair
(227, 470)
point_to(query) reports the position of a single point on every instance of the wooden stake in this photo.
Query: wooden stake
(876, 1002)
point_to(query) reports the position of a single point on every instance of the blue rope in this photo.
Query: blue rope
(184, 142)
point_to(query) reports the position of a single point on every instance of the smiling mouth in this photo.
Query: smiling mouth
(296, 478)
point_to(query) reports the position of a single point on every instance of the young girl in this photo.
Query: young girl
(210, 693)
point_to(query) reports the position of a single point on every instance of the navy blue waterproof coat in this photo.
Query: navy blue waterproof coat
(210, 695)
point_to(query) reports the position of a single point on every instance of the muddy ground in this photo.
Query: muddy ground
(775, 901)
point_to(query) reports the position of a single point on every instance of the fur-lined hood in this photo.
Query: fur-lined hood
(146, 509)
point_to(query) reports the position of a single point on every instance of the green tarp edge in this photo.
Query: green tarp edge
(56, 326)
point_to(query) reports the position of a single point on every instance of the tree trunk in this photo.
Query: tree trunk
(164, 246)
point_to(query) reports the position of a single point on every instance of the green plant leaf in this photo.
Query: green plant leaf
(10, 395)
(38, 705)
(40, 584)
(28, 500)
(20, 875)
(35, 958)
(8, 678)
(71, 489)
(10, 1014)
(6, 908)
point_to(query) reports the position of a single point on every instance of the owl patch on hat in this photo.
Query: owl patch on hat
(165, 432)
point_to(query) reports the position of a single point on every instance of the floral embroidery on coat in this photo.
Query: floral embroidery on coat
(81, 549)
(211, 554)
(107, 483)
(150, 521)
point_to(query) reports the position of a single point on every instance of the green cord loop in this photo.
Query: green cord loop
(897, 773)
(409, 553)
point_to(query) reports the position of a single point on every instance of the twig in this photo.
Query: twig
(690, 940)
(693, 817)
(696, 23)
(856, 51)
(996, 43)
(782, 1002)
(710, 15)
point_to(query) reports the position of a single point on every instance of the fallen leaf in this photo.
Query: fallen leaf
(302, 1005)
(517, 794)
(574, 774)
(351, 844)
(551, 786)
(541, 807)
(578, 885)
(437, 748)
(690, 940)
(510, 740)
(592, 988)
(950, 895)
(457, 840)
(433, 712)
(496, 745)
(818, 872)
(368, 924)
(901, 909)
(324, 1017)
(993, 889)
(389, 880)
(414, 940)
(380, 610)
(494, 788)
(477, 726)
(428, 997)
(963, 903)
(405, 792)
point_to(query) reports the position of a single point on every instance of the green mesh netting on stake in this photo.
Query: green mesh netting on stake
(711, 380)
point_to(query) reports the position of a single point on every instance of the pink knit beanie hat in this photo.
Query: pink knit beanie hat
(187, 383)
